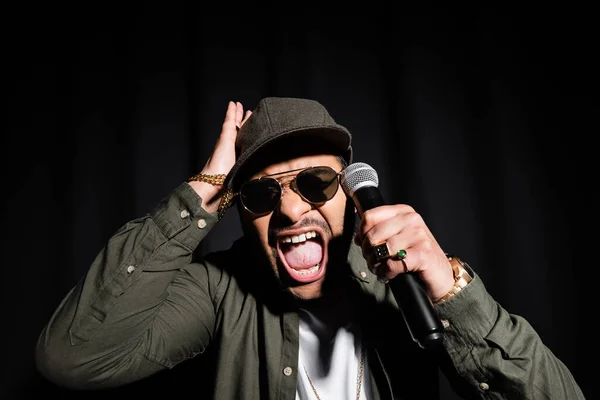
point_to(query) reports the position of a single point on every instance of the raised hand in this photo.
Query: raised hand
(222, 157)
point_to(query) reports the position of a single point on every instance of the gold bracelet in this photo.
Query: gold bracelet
(216, 180)
(225, 203)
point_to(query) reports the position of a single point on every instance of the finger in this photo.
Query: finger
(378, 269)
(394, 266)
(375, 216)
(223, 154)
(390, 252)
(381, 270)
(246, 116)
(381, 233)
(228, 131)
(239, 114)
(408, 225)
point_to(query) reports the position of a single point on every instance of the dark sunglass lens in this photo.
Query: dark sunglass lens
(317, 184)
(260, 196)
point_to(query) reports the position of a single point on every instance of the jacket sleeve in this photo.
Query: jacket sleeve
(498, 355)
(138, 309)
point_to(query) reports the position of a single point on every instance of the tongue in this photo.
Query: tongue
(303, 255)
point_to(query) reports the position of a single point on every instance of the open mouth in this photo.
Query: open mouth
(303, 256)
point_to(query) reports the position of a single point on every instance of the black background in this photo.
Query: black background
(480, 118)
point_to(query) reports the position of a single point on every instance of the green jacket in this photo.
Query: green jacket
(148, 303)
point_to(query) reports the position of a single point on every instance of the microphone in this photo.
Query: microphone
(361, 183)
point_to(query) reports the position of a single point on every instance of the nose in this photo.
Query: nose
(292, 206)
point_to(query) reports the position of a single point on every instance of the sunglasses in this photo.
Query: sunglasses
(314, 184)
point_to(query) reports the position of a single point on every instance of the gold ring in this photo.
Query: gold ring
(381, 251)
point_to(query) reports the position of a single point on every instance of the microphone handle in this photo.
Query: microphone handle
(417, 310)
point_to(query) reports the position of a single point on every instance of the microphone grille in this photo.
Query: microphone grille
(358, 175)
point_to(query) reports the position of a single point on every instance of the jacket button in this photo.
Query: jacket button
(287, 371)
(201, 223)
(184, 214)
(484, 386)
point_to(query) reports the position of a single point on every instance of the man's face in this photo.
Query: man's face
(296, 236)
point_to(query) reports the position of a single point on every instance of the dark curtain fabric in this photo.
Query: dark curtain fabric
(478, 118)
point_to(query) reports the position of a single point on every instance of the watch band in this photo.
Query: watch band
(462, 276)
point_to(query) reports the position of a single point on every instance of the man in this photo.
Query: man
(301, 306)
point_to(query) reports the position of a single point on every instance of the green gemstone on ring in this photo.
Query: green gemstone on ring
(401, 254)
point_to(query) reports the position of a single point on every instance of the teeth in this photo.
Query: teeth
(303, 237)
(308, 271)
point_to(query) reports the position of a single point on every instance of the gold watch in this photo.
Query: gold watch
(463, 274)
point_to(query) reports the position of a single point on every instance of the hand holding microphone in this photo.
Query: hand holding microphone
(402, 252)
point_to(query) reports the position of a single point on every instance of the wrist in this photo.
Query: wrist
(209, 194)
(209, 187)
(463, 274)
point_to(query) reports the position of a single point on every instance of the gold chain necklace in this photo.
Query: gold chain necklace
(359, 378)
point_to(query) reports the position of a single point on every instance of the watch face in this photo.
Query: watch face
(461, 269)
(468, 270)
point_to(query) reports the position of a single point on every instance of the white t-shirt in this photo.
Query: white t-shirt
(330, 356)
